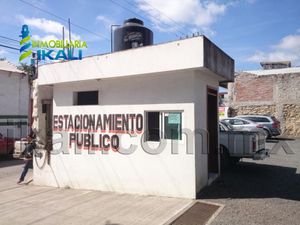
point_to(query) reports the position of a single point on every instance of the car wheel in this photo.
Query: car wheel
(234, 160)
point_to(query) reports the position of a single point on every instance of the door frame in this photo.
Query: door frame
(213, 91)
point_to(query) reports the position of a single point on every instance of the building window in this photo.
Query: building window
(86, 98)
(163, 125)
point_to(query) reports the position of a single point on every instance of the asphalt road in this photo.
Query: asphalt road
(263, 192)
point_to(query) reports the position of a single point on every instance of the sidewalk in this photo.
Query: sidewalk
(28, 204)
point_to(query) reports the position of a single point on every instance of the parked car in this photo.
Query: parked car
(242, 124)
(235, 145)
(19, 147)
(6, 146)
(270, 124)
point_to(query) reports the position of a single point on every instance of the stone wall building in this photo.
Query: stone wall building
(273, 91)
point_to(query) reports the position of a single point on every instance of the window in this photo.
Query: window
(163, 125)
(258, 119)
(86, 98)
(153, 126)
(238, 122)
(172, 122)
(230, 121)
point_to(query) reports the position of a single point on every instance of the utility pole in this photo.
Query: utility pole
(63, 36)
(69, 22)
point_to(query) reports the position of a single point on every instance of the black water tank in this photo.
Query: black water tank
(132, 34)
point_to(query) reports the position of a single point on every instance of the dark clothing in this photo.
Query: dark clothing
(28, 151)
(28, 165)
(28, 154)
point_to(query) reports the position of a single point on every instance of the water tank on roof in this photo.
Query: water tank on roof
(132, 34)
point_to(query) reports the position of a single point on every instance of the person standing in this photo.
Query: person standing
(27, 156)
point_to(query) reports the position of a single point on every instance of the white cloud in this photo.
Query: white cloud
(44, 38)
(198, 15)
(3, 52)
(47, 26)
(288, 48)
(290, 42)
(107, 22)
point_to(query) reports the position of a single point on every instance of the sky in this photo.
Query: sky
(250, 31)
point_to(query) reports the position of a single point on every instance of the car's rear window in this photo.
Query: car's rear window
(274, 119)
(258, 119)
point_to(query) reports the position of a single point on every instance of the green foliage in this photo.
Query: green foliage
(28, 69)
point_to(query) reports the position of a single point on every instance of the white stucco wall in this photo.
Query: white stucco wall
(166, 77)
(14, 97)
(165, 57)
(164, 174)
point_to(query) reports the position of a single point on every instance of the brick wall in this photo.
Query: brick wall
(277, 95)
(252, 88)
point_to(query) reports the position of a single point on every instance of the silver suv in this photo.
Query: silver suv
(270, 124)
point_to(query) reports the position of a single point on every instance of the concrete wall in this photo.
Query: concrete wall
(218, 61)
(14, 95)
(202, 81)
(191, 53)
(168, 77)
(275, 94)
(164, 174)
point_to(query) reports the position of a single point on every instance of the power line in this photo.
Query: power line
(6, 46)
(116, 3)
(9, 38)
(144, 18)
(11, 52)
(65, 20)
(9, 43)
(166, 16)
(176, 28)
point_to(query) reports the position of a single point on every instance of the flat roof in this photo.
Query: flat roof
(192, 53)
(274, 71)
(7, 66)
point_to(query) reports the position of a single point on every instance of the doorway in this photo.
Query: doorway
(47, 109)
(212, 128)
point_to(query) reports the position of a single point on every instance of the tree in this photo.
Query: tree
(28, 69)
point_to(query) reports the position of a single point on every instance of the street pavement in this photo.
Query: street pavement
(29, 204)
(263, 192)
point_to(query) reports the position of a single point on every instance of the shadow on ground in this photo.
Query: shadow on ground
(10, 162)
(109, 223)
(250, 180)
(277, 139)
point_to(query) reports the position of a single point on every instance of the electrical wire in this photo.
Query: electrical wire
(11, 39)
(13, 45)
(9, 43)
(178, 27)
(65, 20)
(6, 46)
(142, 17)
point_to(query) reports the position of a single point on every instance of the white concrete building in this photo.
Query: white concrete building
(14, 97)
(146, 97)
